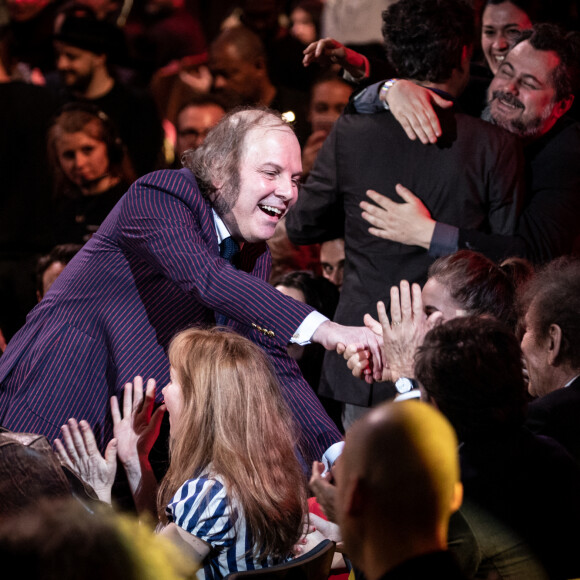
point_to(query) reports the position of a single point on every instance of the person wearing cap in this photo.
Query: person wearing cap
(88, 50)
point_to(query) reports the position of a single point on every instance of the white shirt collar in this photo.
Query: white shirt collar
(220, 227)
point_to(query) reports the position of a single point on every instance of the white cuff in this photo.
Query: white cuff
(308, 327)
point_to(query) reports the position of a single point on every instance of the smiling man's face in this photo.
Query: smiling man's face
(522, 96)
(270, 172)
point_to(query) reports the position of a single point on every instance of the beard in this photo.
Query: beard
(522, 127)
(75, 81)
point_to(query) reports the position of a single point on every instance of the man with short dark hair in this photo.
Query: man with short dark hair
(240, 76)
(473, 178)
(87, 49)
(181, 248)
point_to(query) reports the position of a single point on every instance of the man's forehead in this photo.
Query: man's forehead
(527, 60)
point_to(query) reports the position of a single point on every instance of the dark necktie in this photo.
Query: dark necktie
(230, 250)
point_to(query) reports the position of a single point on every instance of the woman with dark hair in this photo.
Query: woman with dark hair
(91, 170)
(234, 495)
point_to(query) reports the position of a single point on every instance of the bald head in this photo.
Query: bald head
(399, 475)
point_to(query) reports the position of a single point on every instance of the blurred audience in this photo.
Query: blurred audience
(50, 266)
(193, 122)
(87, 49)
(332, 261)
(61, 539)
(470, 368)
(328, 97)
(91, 170)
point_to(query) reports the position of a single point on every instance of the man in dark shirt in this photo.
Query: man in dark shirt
(472, 177)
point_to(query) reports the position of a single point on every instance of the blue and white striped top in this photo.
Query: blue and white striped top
(202, 507)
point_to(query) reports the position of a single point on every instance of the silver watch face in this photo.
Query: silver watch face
(404, 385)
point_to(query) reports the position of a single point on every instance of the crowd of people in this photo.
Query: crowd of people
(279, 272)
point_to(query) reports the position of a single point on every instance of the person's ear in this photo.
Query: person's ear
(457, 497)
(554, 343)
(563, 106)
(354, 497)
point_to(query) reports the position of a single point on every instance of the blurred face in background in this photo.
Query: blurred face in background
(329, 98)
(193, 124)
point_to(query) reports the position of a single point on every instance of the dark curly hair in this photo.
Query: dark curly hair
(471, 367)
(424, 39)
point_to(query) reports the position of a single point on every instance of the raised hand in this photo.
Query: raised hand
(408, 223)
(329, 51)
(78, 450)
(137, 428)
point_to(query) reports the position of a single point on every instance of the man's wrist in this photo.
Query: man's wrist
(384, 90)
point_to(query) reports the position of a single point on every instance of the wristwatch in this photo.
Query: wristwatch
(404, 385)
(384, 90)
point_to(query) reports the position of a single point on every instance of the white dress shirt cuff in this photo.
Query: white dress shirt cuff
(308, 327)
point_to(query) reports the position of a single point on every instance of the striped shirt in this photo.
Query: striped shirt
(202, 507)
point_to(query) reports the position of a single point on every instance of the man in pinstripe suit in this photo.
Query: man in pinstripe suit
(154, 268)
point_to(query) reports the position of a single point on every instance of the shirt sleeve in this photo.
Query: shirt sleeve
(201, 508)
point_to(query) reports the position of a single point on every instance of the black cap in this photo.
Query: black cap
(88, 33)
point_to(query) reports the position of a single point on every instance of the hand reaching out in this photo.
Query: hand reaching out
(325, 492)
(78, 450)
(408, 223)
(329, 51)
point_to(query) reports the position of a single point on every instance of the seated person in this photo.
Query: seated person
(550, 324)
(91, 171)
(234, 496)
(470, 368)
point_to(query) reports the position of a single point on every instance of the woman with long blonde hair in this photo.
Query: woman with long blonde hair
(234, 495)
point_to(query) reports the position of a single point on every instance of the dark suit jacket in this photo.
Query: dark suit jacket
(557, 415)
(471, 177)
(152, 269)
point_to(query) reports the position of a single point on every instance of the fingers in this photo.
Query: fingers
(88, 438)
(111, 453)
(380, 199)
(405, 297)
(396, 315)
(373, 324)
(115, 411)
(149, 402)
(62, 453)
(127, 399)
(417, 299)
(137, 393)
(406, 194)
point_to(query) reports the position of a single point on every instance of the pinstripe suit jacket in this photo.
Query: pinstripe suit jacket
(152, 269)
